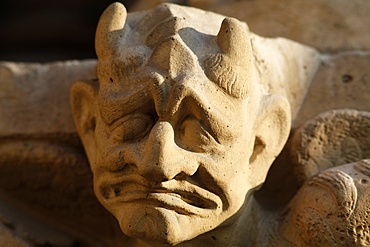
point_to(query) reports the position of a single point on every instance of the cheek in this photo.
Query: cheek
(108, 153)
(113, 155)
(233, 171)
(237, 152)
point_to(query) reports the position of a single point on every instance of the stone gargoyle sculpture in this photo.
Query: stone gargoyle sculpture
(182, 131)
(179, 133)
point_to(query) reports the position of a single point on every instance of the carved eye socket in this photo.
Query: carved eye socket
(132, 127)
(194, 135)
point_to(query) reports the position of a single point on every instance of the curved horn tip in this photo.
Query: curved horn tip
(231, 24)
(233, 35)
(112, 19)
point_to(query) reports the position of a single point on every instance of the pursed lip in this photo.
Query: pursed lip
(180, 196)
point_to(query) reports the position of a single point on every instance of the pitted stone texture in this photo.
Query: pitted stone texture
(331, 209)
(327, 25)
(182, 128)
(342, 81)
(178, 152)
(331, 139)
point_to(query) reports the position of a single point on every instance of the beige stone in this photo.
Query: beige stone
(178, 133)
(34, 96)
(189, 112)
(185, 123)
(343, 81)
(44, 172)
(333, 138)
(331, 209)
(327, 25)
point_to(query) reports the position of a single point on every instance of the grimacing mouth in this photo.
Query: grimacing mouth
(177, 195)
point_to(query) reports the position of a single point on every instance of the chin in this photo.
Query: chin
(156, 225)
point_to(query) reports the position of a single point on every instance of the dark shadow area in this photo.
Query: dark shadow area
(43, 30)
(281, 184)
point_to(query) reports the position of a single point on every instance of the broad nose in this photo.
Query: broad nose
(163, 159)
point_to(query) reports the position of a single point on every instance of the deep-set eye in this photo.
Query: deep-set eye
(194, 135)
(132, 127)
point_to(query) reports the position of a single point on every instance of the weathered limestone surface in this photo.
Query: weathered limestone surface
(178, 114)
(34, 97)
(328, 25)
(332, 138)
(169, 165)
(343, 81)
(42, 164)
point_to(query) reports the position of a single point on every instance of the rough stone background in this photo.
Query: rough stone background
(60, 30)
(327, 25)
(46, 194)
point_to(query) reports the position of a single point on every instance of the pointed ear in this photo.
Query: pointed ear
(83, 104)
(271, 133)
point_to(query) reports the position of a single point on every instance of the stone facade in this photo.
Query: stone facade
(174, 59)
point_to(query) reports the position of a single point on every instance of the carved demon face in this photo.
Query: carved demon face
(174, 133)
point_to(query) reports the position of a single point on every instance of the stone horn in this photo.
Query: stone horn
(232, 68)
(108, 32)
(233, 39)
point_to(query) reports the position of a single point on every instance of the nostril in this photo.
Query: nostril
(106, 196)
(154, 174)
(109, 193)
(120, 167)
(158, 177)
(117, 191)
(105, 193)
(181, 176)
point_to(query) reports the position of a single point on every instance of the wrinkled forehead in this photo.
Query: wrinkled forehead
(173, 41)
(193, 25)
(154, 92)
(193, 28)
(169, 37)
(203, 21)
